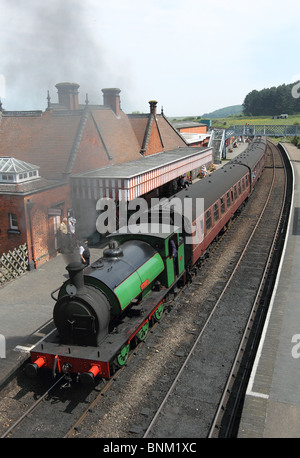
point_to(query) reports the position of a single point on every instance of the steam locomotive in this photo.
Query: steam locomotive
(102, 312)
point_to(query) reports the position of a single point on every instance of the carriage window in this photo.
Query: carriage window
(228, 199)
(243, 184)
(240, 189)
(202, 227)
(235, 192)
(208, 220)
(247, 180)
(216, 212)
(222, 205)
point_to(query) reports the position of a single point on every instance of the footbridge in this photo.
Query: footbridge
(219, 136)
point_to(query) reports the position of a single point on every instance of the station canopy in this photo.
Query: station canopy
(127, 181)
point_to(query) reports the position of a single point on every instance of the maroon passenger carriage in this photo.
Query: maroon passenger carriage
(223, 193)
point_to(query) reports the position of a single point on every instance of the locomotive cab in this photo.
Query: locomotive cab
(168, 242)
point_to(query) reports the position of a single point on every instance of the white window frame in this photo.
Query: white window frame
(13, 218)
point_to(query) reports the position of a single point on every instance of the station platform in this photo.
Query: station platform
(26, 310)
(272, 402)
(232, 152)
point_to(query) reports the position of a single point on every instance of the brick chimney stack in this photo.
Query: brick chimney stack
(68, 95)
(111, 98)
(153, 104)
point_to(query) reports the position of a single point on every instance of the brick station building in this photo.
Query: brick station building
(194, 133)
(58, 162)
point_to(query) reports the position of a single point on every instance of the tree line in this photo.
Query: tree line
(273, 101)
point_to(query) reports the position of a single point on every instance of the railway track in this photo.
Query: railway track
(144, 400)
(37, 420)
(226, 420)
(34, 406)
(216, 401)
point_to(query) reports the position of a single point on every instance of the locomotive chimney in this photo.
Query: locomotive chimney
(76, 276)
(68, 95)
(111, 98)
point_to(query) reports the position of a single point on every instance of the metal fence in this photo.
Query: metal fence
(264, 130)
(13, 264)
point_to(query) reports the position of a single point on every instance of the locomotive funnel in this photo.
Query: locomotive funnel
(76, 275)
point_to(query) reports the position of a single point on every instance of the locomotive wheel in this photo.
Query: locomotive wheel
(123, 355)
(141, 335)
(158, 313)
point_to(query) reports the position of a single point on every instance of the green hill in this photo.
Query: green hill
(224, 112)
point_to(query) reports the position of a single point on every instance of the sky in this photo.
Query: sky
(192, 56)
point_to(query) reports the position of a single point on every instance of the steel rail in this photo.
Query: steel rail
(17, 422)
